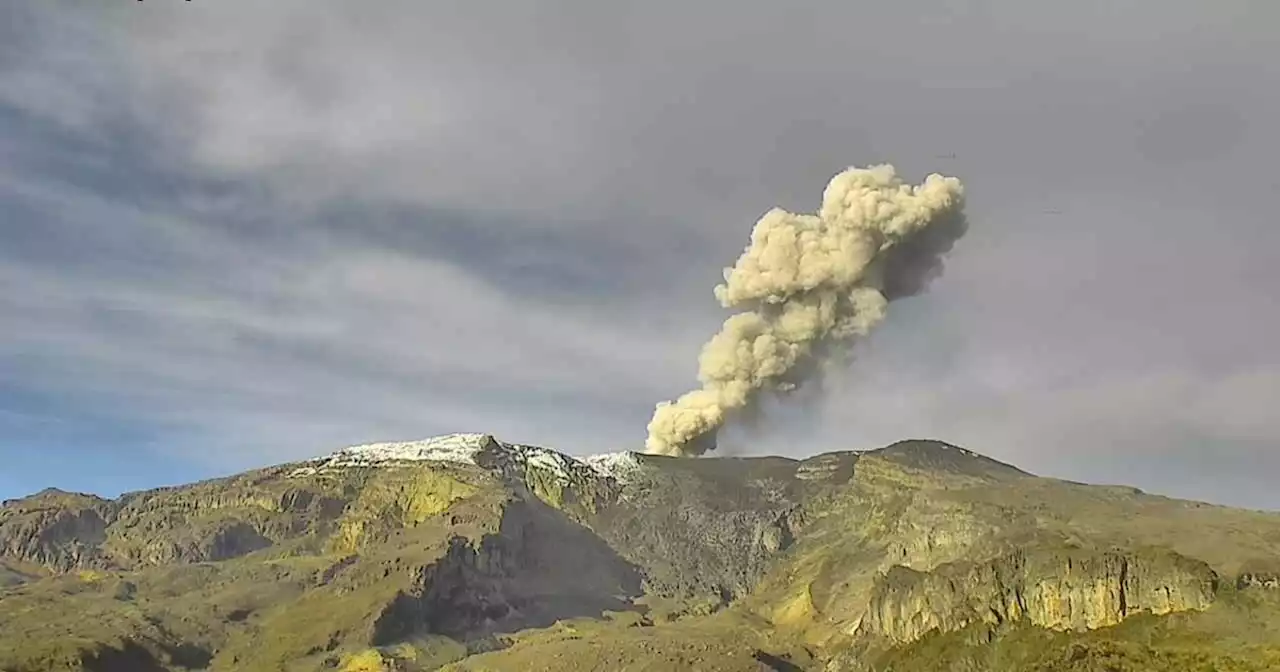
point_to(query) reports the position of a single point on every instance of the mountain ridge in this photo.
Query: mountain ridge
(462, 446)
(465, 552)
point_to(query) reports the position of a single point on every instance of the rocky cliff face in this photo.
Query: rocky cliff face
(210, 521)
(535, 569)
(1061, 589)
(55, 529)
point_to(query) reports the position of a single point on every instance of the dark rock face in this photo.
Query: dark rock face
(536, 569)
(230, 540)
(1066, 589)
(128, 657)
(691, 552)
(699, 529)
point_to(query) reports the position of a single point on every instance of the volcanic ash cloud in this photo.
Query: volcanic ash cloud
(806, 288)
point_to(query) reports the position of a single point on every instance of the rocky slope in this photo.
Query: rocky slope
(1066, 589)
(469, 553)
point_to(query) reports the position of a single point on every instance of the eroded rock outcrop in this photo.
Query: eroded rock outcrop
(1062, 589)
(55, 529)
(537, 568)
(1259, 574)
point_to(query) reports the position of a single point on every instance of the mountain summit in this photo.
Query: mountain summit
(465, 552)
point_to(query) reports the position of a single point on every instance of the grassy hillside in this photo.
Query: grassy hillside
(919, 556)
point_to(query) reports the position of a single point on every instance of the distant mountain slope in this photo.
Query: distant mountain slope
(475, 554)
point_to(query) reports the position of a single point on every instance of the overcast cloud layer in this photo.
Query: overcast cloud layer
(239, 233)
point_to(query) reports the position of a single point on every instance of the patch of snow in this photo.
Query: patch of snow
(962, 451)
(464, 448)
(460, 448)
(621, 466)
(554, 462)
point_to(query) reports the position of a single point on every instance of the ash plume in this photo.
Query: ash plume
(808, 286)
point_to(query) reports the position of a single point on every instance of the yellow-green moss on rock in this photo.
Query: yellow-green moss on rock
(393, 498)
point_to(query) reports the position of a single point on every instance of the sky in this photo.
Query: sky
(234, 234)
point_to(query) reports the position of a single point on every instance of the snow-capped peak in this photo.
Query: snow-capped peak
(460, 448)
(466, 449)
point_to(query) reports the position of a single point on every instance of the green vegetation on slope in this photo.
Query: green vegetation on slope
(920, 556)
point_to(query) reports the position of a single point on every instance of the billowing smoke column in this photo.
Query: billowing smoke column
(808, 286)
